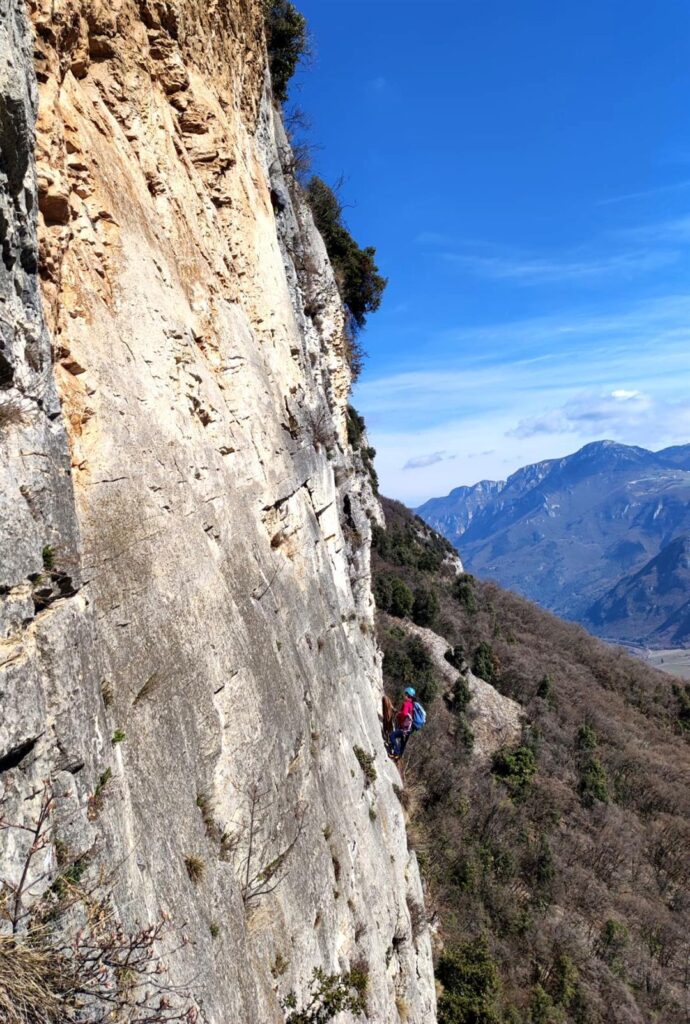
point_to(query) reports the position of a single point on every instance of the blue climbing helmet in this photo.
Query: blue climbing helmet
(410, 691)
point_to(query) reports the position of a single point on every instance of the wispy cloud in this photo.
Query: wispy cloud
(433, 238)
(587, 414)
(677, 186)
(422, 461)
(502, 395)
(527, 361)
(619, 253)
(624, 414)
(378, 85)
(540, 271)
(675, 231)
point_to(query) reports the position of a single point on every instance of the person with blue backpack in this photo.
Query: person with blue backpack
(410, 718)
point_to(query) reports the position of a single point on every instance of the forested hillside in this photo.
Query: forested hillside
(556, 865)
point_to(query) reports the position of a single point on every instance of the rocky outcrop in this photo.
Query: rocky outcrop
(496, 720)
(187, 622)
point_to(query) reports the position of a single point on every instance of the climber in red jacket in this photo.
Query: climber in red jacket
(405, 717)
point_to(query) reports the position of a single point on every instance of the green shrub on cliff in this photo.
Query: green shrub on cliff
(485, 663)
(287, 43)
(360, 284)
(463, 592)
(402, 599)
(355, 432)
(593, 782)
(330, 995)
(407, 662)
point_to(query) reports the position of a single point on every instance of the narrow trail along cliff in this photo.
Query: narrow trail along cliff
(187, 649)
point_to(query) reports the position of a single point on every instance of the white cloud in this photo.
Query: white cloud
(538, 271)
(433, 238)
(675, 232)
(422, 461)
(379, 84)
(619, 253)
(644, 193)
(625, 415)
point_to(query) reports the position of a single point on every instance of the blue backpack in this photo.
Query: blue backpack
(418, 716)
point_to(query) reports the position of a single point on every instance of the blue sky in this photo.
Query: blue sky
(523, 169)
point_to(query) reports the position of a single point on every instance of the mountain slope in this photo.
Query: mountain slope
(653, 601)
(563, 532)
(555, 846)
(678, 455)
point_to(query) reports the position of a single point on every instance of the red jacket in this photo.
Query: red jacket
(405, 714)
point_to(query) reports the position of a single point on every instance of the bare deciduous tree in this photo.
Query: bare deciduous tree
(67, 958)
(260, 850)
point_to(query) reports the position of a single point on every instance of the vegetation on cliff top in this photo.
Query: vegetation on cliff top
(559, 870)
(359, 281)
(287, 43)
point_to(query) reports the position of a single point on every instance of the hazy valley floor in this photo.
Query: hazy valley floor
(675, 662)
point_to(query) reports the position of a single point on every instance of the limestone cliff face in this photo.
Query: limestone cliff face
(185, 538)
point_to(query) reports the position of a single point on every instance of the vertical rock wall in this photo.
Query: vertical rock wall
(185, 551)
(48, 662)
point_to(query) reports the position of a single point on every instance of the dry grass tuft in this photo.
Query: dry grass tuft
(35, 982)
(13, 413)
(403, 1008)
(195, 867)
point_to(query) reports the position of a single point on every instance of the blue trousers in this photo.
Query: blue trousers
(399, 740)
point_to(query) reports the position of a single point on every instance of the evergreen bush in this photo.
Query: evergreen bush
(464, 593)
(593, 782)
(360, 284)
(287, 43)
(455, 656)
(401, 599)
(470, 980)
(485, 663)
(383, 592)
(516, 767)
(586, 738)
(407, 662)
(330, 995)
(462, 694)
(425, 607)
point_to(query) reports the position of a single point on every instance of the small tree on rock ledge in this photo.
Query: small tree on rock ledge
(360, 284)
(287, 43)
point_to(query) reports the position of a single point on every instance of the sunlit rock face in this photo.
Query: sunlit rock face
(185, 590)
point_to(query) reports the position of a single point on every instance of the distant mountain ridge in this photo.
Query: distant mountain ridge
(567, 532)
(655, 600)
